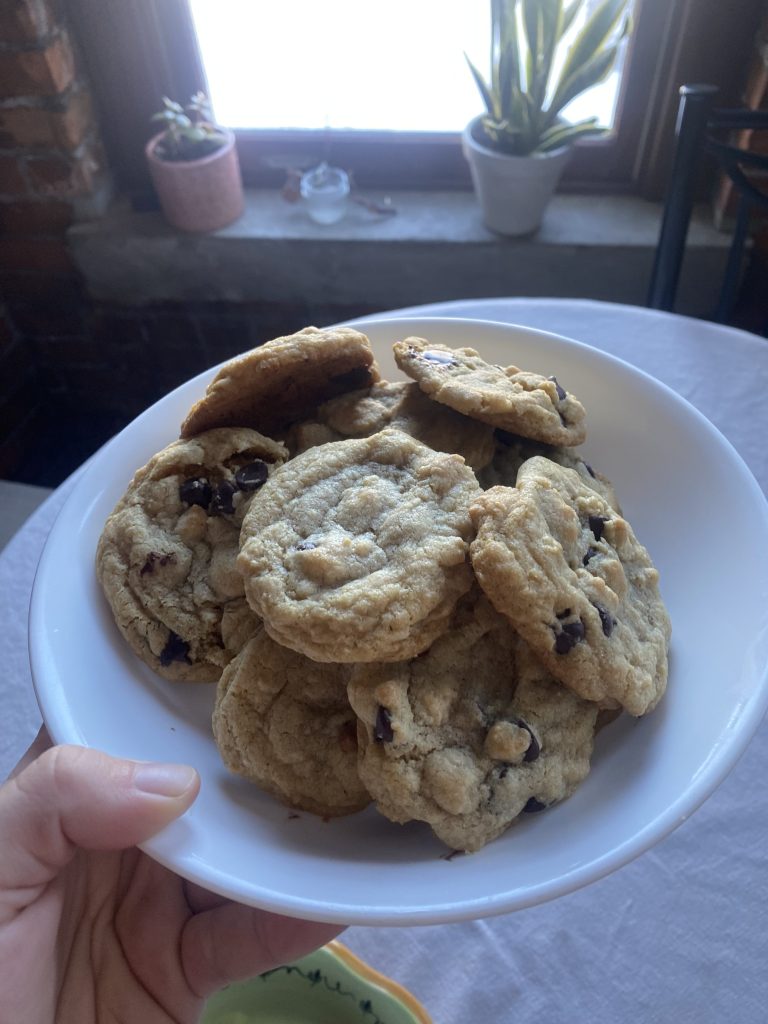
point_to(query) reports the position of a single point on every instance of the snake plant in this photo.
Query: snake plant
(524, 96)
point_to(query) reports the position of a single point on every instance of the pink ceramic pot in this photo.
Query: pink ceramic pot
(198, 195)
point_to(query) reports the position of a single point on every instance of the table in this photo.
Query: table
(681, 933)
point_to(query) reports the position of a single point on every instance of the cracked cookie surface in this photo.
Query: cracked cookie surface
(519, 401)
(568, 572)
(357, 551)
(284, 722)
(471, 734)
(512, 451)
(284, 380)
(166, 558)
(404, 406)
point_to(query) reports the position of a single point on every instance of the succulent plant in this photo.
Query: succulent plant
(190, 132)
(524, 97)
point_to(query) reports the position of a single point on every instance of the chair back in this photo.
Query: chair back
(699, 131)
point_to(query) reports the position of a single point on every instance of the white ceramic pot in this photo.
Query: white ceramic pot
(513, 190)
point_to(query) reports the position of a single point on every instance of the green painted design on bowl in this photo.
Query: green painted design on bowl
(319, 989)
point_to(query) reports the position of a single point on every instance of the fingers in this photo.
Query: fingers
(232, 942)
(74, 797)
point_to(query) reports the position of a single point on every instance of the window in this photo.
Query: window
(357, 65)
(139, 50)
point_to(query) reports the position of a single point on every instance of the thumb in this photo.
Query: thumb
(74, 797)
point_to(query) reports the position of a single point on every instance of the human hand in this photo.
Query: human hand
(91, 928)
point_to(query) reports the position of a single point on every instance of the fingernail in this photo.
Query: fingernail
(164, 779)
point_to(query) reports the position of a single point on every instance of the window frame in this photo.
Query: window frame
(136, 51)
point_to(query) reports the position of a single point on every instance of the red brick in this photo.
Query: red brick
(12, 181)
(56, 129)
(37, 72)
(25, 21)
(49, 255)
(34, 218)
(66, 177)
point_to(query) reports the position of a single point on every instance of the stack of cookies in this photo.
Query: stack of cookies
(414, 593)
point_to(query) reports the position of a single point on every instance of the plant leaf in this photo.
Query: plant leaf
(485, 91)
(594, 71)
(551, 14)
(532, 22)
(571, 134)
(593, 36)
(559, 134)
(569, 14)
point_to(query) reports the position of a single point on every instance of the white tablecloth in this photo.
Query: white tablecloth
(681, 934)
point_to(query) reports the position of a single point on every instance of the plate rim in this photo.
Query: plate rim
(721, 761)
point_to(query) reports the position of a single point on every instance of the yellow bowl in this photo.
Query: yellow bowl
(330, 985)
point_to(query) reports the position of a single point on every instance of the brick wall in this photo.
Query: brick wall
(73, 372)
(52, 171)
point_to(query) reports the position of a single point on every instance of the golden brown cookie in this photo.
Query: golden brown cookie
(471, 734)
(285, 723)
(519, 401)
(512, 451)
(403, 405)
(357, 550)
(166, 557)
(284, 380)
(568, 572)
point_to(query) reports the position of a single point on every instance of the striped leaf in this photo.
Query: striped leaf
(583, 78)
(594, 36)
(485, 92)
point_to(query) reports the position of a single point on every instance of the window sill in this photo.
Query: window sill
(435, 248)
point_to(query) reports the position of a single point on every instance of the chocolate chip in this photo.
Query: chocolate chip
(196, 492)
(589, 470)
(252, 476)
(533, 806)
(561, 393)
(175, 649)
(153, 559)
(566, 614)
(596, 524)
(221, 503)
(534, 748)
(382, 730)
(606, 619)
(572, 633)
(306, 545)
(441, 358)
(591, 552)
(575, 629)
(503, 771)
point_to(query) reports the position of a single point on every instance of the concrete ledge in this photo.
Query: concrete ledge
(435, 248)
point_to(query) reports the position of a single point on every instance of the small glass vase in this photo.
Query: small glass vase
(325, 191)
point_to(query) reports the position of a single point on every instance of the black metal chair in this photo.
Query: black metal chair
(697, 130)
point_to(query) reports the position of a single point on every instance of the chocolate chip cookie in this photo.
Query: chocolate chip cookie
(516, 400)
(285, 723)
(568, 572)
(357, 550)
(284, 380)
(512, 451)
(471, 734)
(403, 405)
(166, 557)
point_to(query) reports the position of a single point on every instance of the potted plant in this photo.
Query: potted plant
(518, 149)
(194, 167)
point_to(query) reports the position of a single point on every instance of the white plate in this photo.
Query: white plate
(692, 502)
